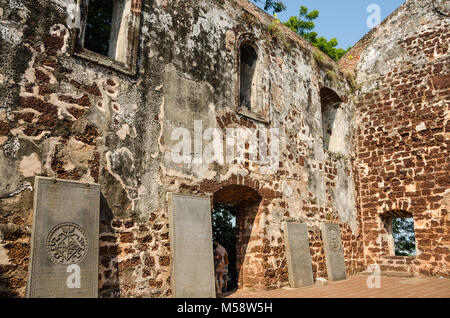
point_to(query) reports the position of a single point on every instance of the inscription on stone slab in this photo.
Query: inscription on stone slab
(334, 253)
(192, 274)
(298, 254)
(64, 242)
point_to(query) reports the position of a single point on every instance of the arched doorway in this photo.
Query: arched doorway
(332, 118)
(243, 203)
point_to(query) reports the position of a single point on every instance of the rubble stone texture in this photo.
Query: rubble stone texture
(67, 117)
(403, 134)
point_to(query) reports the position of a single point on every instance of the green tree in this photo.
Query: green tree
(223, 228)
(275, 5)
(328, 47)
(304, 24)
(404, 239)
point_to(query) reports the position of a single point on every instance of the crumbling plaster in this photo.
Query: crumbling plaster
(65, 117)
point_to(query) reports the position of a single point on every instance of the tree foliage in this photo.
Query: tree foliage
(304, 24)
(404, 239)
(328, 47)
(223, 229)
(275, 5)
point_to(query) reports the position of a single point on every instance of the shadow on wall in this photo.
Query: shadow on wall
(248, 56)
(245, 219)
(14, 274)
(330, 102)
(6, 289)
(14, 258)
(109, 286)
(317, 252)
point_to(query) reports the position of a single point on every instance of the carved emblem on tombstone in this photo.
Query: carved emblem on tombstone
(334, 238)
(64, 240)
(334, 254)
(67, 244)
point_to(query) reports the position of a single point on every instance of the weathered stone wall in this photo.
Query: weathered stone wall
(310, 184)
(403, 114)
(62, 116)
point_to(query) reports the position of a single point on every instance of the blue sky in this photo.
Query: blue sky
(344, 20)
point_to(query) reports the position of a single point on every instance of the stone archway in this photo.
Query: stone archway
(246, 202)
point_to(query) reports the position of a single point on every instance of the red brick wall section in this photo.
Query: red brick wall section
(403, 155)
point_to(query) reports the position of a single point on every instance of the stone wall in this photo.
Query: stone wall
(63, 116)
(403, 114)
(67, 117)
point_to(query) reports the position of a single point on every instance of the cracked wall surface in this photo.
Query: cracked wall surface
(403, 134)
(63, 116)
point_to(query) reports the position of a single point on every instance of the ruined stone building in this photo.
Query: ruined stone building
(361, 142)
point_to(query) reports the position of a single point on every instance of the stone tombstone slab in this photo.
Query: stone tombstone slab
(298, 254)
(192, 272)
(64, 241)
(334, 253)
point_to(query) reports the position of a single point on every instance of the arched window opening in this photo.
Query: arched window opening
(248, 61)
(331, 115)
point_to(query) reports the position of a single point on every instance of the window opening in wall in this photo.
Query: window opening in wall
(399, 227)
(109, 33)
(248, 59)
(404, 238)
(98, 26)
(330, 102)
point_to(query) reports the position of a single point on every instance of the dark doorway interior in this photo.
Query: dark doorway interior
(224, 232)
(240, 204)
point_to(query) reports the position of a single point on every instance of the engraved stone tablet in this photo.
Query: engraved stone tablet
(192, 274)
(298, 254)
(334, 253)
(64, 242)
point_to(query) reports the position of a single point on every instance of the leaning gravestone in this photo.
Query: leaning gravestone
(334, 253)
(192, 274)
(298, 254)
(64, 242)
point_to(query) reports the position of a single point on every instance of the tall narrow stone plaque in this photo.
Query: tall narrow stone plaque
(298, 254)
(192, 274)
(334, 253)
(64, 242)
